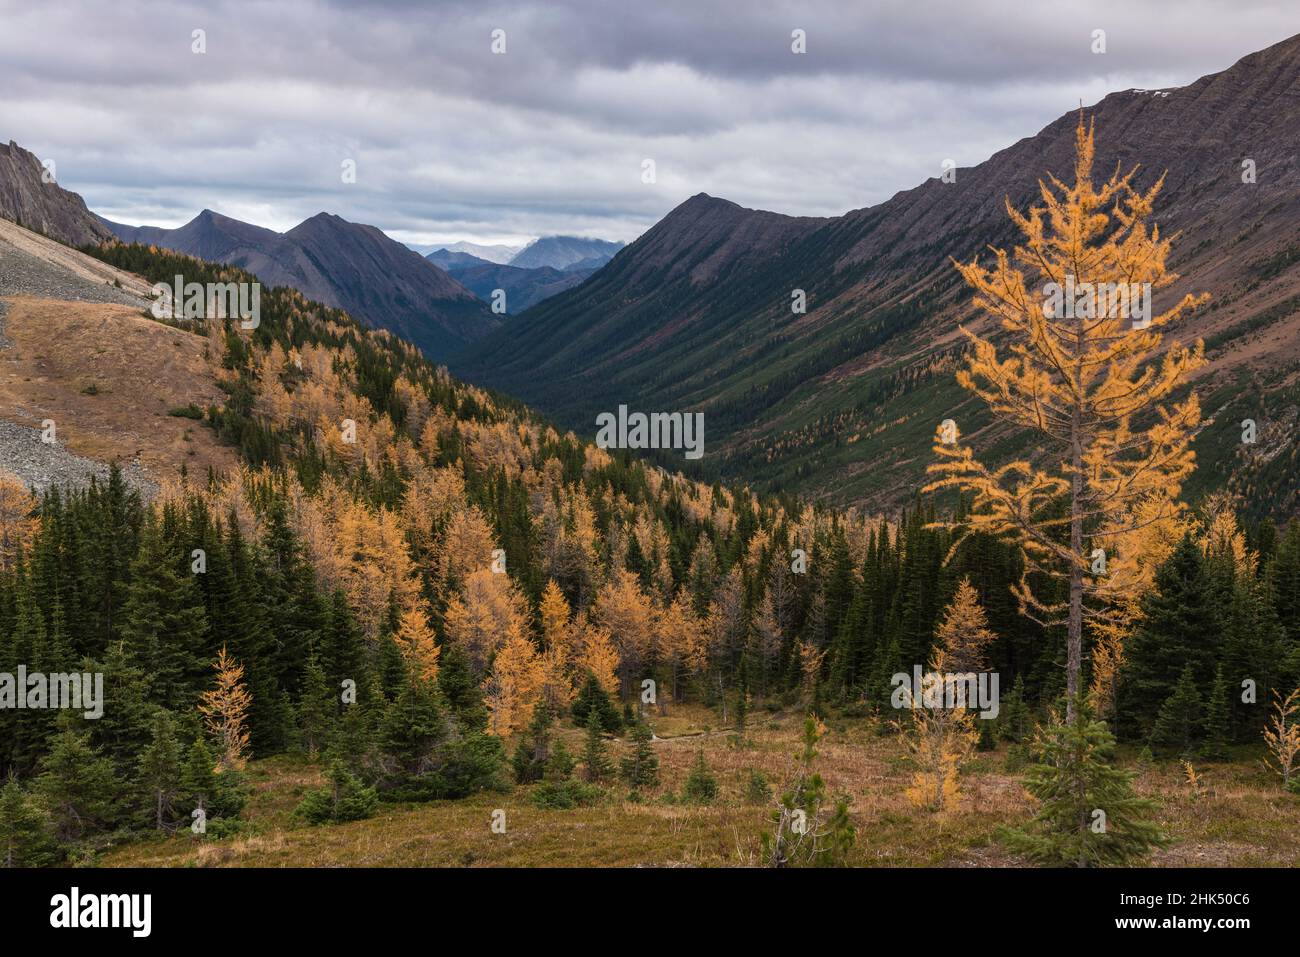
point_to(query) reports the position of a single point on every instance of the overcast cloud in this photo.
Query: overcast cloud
(453, 142)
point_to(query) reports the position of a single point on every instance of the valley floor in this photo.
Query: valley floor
(1238, 817)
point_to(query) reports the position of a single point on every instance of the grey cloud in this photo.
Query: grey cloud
(451, 141)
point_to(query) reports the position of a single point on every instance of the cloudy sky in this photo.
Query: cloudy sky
(453, 141)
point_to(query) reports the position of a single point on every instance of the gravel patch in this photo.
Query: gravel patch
(22, 274)
(39, 465)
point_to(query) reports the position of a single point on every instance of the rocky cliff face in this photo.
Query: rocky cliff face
(46, 208)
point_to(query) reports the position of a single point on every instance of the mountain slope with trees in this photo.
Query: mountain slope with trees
(406, 568)
(839, 401)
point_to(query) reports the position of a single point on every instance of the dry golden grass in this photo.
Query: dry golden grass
(108, 378)
(1239, 818)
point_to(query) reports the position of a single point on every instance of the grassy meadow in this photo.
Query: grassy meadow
(1236, 816)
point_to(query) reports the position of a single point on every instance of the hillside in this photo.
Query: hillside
(341, 264)
(841, 402)
(491, 586)
(72, 332)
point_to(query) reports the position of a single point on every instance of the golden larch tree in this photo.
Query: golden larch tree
(225, 711)
(417, 642)
(559, 649)
(490, 612)
(1282, 737)
(1085, 373)
(624, 611)
(597, 655)
(964, 632)
(511, 689)
(17, 519)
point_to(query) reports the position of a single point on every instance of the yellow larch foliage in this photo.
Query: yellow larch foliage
(1079, 382)
(624, 611)
(375, 564)
(964, 633)
(940, 740)
(810, 664)
(17, 519)
(489, 612)
(417, 642)
(225, 711)
(511, 689)
(554, 612)
(559, 647)
(467, 544)
(431, 496)
(596, 655)
(683, 639)
(1282, 737)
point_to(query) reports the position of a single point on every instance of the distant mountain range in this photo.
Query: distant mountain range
(566, 252)
(499, 254)
(541, 269)
(439, 302)
(842, 402)
(523, 288)
(345, 265)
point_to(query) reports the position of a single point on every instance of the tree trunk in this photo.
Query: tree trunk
(1074, 626)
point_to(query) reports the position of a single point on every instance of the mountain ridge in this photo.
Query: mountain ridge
(342, 264)
(841, 401)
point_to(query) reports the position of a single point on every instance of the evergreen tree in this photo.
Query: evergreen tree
(1218, 729)
(164, 621)
(127, 726)
(1088, 814)
(159, 772)
(701, 786)
(641, 767)
(1178, 630)
(594, 698)
(353, 739)
(413, 730)
(343, 798)
(1178, 724)
(79, 786)
(595, 759)
(1013, 721)
(318, 711)
(561, 764)
(534, 748)
(803, 834)
(26, 834)
(218, 793)
(461, 691)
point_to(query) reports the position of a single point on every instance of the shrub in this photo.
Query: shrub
(343, 798)
(701, 786)
(757, 790)
(565, 795)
